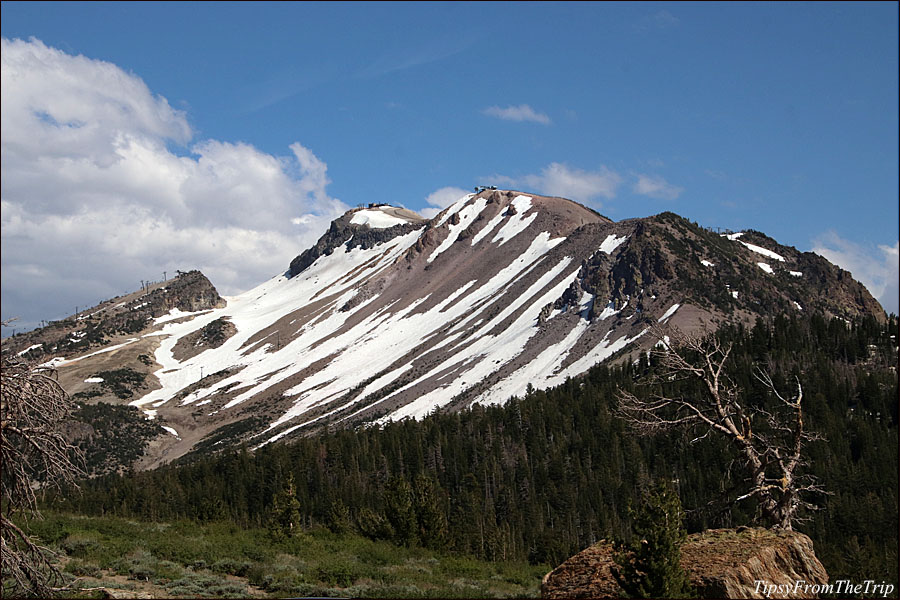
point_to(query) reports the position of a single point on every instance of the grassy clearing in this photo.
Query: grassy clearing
(220, 560)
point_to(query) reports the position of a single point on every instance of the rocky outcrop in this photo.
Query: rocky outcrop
(211, 336)
(742, 273)
(189, 291)
(343, 232)
(721, 563)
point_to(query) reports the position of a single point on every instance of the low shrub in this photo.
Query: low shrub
(205, 586)
(80, 545)
(232, 566)
(338, 574)
(260, 576)
(79, 568)
(139, 565)
(463, 567)
(165, 570)
(51, 529)
(140, 572)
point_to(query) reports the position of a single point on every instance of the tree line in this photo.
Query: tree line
(546, 475)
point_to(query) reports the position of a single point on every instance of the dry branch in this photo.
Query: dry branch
(33, 453)
(772, 455)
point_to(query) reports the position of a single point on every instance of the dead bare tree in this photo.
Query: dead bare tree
(33, 452)
(770, 443)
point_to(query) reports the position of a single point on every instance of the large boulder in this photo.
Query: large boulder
(721, 563)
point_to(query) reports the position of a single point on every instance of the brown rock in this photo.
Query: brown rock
(721, 563)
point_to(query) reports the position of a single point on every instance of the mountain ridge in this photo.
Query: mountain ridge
(390, 316)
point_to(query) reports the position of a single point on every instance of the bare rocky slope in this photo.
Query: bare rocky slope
(94, 327)
(721, 563)
(391, 316)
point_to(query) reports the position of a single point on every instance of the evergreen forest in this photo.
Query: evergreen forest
(546, 475)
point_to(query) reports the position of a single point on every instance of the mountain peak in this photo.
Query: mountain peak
(363, 227)
(390, 316)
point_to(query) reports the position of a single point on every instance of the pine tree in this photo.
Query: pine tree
(400, 510)
(285, 519)
(373, 525)
(338, 517)
(650, 566)
(429, 513)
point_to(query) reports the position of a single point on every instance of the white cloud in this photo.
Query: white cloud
(876, 268)
(656, 187)
(664, 19)
(441, 199)
(557, 179)
(657, 21)
(93, 201)
(523, 112)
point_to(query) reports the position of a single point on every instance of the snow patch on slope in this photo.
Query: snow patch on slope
(548, 361)
(402, 332)
(60, 361)
(668, 313)
(466, 216)
(518, 222)
(758, 249)
(487, 229)
(173, 314)
(454, 208)
(610, 310)
(510, 274)
(486, 353)
(260, 307)
(376, 219)
(599, 353)
(763, 251)
(612, 242)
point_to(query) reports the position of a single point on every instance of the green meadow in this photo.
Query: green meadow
(220, 560)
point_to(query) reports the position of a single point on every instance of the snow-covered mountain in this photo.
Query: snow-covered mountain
(391, 316)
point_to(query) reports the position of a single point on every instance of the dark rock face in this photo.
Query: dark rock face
(190, 291)
(669, 254)
(721, 563)
(342, 232)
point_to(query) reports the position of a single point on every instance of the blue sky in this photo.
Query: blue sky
(142, 137)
